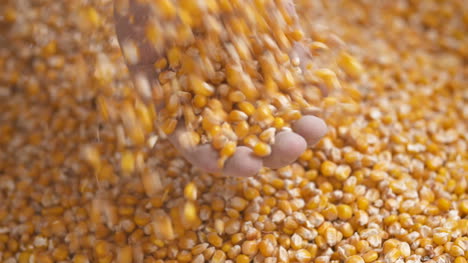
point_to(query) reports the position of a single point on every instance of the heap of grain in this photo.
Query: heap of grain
(387, 184)
(230, 72)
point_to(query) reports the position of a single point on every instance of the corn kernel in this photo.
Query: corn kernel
(262, 149)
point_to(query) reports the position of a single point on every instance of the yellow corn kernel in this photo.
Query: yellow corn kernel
(160, 64)
(151, 183)
(317, 46)
(351, 157)
(60, 253)
(43, 258)
(174, 57)
(184, 256)
(238, 203)
(255, 129)
(237, 115)
(169, 126)
(236, 238)
(330, 102)
(189, 139)
(330, 212)
(355, 259)
(172, 104)
(200, 248)
(390, 219)
(287, 82)
(162, 227)
(241, 258)
(278, 123)
(127, 162)
(266, 248)
(262, 149)
(24, 257)
(153, 34)
(460, 259)
(200, 87)
(456, 251)
(370, 256)
(463, 206)
(219, 141)
(190, 191)
(342, 172)
(328, 168)
(329, 77)
(306, 155)
(347, 230)
(92, 155)
(199, 101)
(268, 135)
(92, 16)
(214, 239)
(141, 219)
(228, 149)
(251, 193)
(218, 257)
(190, 213)
(291, 115)
(392, 255)
(211, 128)
(246, 107)
(345, 212)
(249, 247)
(79, 258)
(443, 204)
(389, 245)
(350, 65)
(303, 255)
(236, 96)
(242, 129)
(102, 248)
(125, 254)
(297, 34)
(167, 8)
(362, 203)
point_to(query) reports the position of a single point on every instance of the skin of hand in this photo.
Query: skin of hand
(288, 145)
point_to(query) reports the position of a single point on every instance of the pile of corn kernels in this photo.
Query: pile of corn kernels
(230, 73)
(387, 184)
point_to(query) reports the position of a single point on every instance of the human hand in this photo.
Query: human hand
(287, 147)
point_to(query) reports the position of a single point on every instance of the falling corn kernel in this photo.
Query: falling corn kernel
(329, 77)
(92, 156)
(190, 213)
(350, 65)
(128, 162)
(162, 227)
(152, 183)
(190, 191)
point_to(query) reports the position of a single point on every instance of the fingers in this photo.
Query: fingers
(287, 148)
(243, 163)
(311, 128)
(202, 156)
(290, 145)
